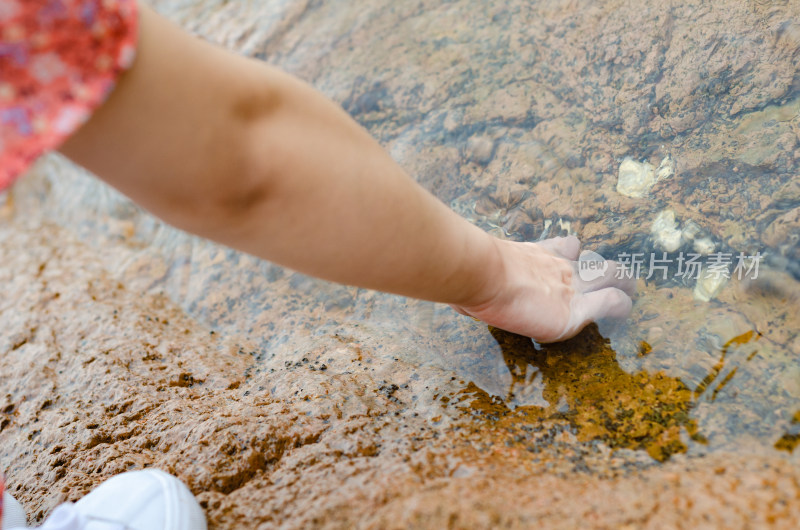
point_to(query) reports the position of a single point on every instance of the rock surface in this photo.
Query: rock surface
(284, 401)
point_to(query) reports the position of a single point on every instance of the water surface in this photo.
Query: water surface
(518, 115)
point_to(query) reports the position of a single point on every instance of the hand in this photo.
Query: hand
(541, 295)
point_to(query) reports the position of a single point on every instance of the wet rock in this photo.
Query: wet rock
(565, 91)
(709, 285)
(635, 178)
(691, 230)
(666, 168)
(479, 149)
(716, 493)
(602, 401)
(789, 193)
(785, 229)
(767, 136)
(665, 232)
(704, 246)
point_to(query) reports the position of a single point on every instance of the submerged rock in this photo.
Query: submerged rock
(635, 178)
(602, 401)
(263, 444)
(701, 242)
(704, 246)
(666, 168)
(691, 230)
(709, 285)
(479, 149)
(665, 232)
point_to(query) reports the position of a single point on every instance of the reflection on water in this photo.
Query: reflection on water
(519, 115)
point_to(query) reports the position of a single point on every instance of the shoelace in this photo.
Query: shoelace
(67, 517)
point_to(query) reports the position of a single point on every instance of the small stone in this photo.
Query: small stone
(665, 232)
(789, 192)
(635, 178)
(691, 230)
(654, 334)
(566, 226)
(666, 168)
(704, 246)
(783, 230)
(480, 149)
(709, 285)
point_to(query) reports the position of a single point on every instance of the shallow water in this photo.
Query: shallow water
(518, 115)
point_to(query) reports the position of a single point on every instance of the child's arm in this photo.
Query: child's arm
(239, 152)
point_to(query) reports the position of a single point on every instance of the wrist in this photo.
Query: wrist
(489, 276)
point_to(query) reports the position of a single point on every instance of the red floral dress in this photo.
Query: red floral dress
(59, 60)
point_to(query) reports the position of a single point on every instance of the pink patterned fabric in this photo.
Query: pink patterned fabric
(59, 60)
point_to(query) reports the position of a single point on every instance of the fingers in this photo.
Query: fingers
(595, 305)
(614, 275)
(611, 274)
(600, 293)
(608, 303)
(567, 247)
(622, 278)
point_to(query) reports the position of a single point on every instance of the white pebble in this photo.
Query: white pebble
(704, 246)
(635, 178)
(709, 285)
(665, 231)
(666, 168)
(691, 230)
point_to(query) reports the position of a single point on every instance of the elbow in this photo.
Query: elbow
(239, 191)
(234, 184)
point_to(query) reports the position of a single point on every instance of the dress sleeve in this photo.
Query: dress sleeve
(59, 61)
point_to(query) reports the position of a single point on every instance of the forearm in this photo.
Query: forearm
(236, 151)
(339, 208)
(239, 152)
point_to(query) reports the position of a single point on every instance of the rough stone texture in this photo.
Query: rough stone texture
(284, 401)
(98, 380)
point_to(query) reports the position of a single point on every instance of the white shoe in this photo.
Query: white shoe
(137, 500)
(13, 514)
